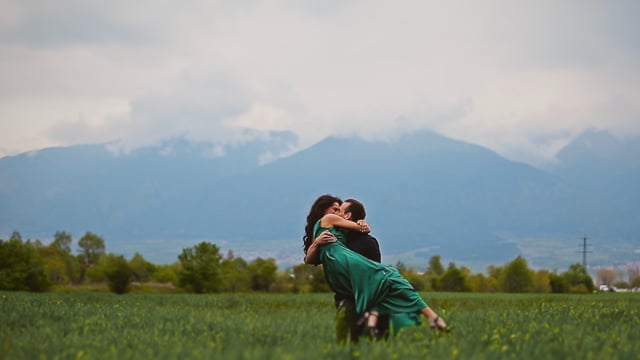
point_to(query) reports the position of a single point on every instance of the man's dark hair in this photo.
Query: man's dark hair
(356, 209)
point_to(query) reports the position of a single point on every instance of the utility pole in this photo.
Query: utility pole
(584, 252)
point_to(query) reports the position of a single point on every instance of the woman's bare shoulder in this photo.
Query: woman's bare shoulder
(328, 220)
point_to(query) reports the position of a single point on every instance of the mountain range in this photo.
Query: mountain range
(425, 194)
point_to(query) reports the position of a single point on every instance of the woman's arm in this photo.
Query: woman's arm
(338, 221)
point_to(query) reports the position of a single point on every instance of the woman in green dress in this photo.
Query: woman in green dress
(377, 288)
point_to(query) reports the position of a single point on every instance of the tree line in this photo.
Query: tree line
(32, 266)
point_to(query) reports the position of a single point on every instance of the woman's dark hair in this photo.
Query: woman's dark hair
(356, 209)
(317, 211)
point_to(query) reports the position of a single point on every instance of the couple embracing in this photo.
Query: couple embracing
(369, 295)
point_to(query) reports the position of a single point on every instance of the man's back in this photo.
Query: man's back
(364, 244)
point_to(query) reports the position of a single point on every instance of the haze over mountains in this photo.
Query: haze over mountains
(425, 194)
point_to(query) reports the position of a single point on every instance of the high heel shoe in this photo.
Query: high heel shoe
(370, 326)
(438, 324)
(369, 322)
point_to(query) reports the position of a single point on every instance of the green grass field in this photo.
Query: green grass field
(258, 326)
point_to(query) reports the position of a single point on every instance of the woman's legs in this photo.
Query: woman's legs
(372, 322)
(434, 320)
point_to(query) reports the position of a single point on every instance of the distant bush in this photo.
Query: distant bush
(118, 273)
(20, 266)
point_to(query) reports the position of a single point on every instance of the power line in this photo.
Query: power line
(584, 251)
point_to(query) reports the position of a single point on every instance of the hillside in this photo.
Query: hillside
(425, 194)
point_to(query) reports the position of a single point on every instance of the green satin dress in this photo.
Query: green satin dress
(375, 286)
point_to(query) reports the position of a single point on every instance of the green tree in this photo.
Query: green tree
(201, 271)
(495, 278)
(55, 267)
(418, 281)
(453, 280)
(518, 278)
(301, 276)
(61, 267)
(20, 266)
(578, 279)
(435, 266)
(16, 236)
(318, 282)
(94, 274)
(142, 269)
(236, 276)
(541, 281)
(91, 248)
(282, 283)
(263, 273)
(117, 272)
(478, 283)
(167, 273)
(62, 240)
(435, 270)
(558, 283)
(634, 277)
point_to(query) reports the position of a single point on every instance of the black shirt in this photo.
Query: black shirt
(364, 244)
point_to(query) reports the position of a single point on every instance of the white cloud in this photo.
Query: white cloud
(521, 78)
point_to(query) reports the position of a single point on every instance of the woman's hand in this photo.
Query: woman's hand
(326, 237)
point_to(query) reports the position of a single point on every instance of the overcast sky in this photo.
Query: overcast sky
(520, 77)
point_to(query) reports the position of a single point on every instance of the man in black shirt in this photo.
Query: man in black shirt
(348, 325)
